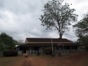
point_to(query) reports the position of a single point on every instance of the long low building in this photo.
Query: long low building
(37, 45)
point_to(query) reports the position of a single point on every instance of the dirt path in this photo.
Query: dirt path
(76, 59)
(30, 61)
(19, 63)
(26, 63)
(37, 61)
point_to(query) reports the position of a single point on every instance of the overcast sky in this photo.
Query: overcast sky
(20, 18)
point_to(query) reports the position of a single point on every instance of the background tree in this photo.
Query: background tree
(2, 46)
(57, 16)
(6, 41)
(82, 30)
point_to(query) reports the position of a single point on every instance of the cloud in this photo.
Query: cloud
(20, 18)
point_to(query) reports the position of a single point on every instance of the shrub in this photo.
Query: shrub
(10, 53)
(47, 51)
(86, 48)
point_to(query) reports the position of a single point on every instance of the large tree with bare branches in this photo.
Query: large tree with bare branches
(57, 16)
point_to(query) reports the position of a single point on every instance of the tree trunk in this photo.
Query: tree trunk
(60, 38)
(60, 35)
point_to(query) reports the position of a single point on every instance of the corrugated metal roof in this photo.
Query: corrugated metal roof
(47, 40)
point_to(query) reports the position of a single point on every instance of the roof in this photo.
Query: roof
(47, 40)
(44, 45)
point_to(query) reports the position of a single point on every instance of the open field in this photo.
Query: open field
(71, 59)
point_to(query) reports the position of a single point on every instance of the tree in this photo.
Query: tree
(7, 42)
(2, 46)
(57, 16)
(82, 30)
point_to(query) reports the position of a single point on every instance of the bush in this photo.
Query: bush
(10, 53)
(47, 51)
(86, 48)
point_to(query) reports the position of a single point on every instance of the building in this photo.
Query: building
(37, 45)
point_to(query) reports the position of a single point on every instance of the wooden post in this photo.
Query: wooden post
(30, 50)
(52, 47)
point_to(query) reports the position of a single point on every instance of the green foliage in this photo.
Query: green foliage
(82, 26)
(6, 42)
(82, 30)
(48, 51)
(57, 16)
(2, 46)
(10, 53)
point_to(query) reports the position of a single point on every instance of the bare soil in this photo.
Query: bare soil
(71, 59)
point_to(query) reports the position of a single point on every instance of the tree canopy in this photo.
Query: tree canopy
(82, 30)
(57, 16)
(6, 42)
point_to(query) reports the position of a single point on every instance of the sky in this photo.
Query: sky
(20, 19)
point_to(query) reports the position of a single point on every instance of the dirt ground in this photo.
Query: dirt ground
(78, 59)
